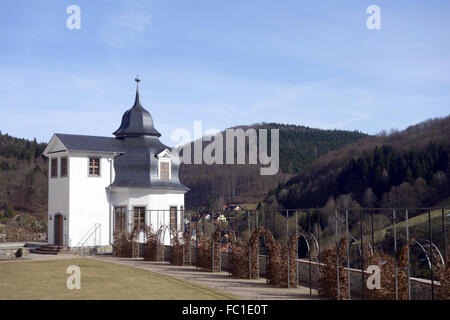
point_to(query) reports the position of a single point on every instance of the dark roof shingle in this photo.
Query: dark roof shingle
(75, 142)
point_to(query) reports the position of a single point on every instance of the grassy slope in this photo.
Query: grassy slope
(99, 280)
(418, 225)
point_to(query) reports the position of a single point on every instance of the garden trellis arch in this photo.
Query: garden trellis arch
(297, 235)
(426, 252)
(217, 236)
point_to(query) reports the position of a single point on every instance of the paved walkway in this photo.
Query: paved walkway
(20, 244)
(248, 289)
(40, 257)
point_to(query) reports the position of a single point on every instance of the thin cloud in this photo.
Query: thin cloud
(125, 29)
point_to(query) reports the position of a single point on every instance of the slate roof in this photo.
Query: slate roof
(138, 166)
(136, 122)
(75, 142)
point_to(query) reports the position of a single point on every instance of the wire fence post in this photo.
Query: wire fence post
(309, 252)
(249, 251)
(229, 252)
(212, 254)
(274, 225)
(265, 245)
(444, 235)
(236, 227)
(408, 274)
(287, 247)
(157, 235)
(296, 249)
(212, 242)
(310, 273)
(430, 233)
(337, 257)
(373, 235)
(190, 246)
(348, 253)
(362, 249)
(257, 244)
(196, 241)
(318, 236)
(395, 254)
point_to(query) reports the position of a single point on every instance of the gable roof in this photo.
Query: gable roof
(165, 154)
(83, 143)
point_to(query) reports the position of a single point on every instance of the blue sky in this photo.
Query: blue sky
(225, 63)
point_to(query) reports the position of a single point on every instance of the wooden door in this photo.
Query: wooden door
(58, 230)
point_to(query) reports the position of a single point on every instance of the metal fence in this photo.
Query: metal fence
(422, 231)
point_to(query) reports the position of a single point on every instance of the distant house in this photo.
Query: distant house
(231, 207)
(99, 185)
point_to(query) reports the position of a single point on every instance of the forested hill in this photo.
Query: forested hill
(401, 169)
(22, 149)
(23, 176)
(300, 145)
(214, 185)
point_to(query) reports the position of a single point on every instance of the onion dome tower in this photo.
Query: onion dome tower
(138, 166)
(136, 121)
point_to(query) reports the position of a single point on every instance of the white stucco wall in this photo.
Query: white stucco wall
(58, 200)
(157, 207)
(89, 200)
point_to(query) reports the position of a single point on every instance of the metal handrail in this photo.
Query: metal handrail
(88, 235)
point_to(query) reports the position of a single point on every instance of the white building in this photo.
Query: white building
(99, 185)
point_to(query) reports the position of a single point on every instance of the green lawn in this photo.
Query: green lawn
(99, 280)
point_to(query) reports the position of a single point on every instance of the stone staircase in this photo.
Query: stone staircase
(50, 249)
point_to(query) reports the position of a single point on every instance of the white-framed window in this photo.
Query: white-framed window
(54, 167)
(165, 165)
(120, 219)
(139, 215)
(63, 166)
(94, 166)
(164, 169)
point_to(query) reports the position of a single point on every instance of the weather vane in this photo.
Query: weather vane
(137, 81)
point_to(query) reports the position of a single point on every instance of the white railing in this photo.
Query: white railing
(94, 233)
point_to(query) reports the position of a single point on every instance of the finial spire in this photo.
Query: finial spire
(137, 82)
(136, 101)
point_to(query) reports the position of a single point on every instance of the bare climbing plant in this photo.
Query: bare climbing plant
(332, 263)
